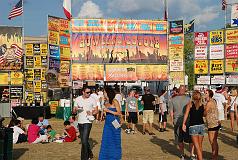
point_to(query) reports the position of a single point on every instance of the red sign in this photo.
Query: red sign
(232, 51)
(201, 38)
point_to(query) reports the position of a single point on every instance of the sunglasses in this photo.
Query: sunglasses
(88, 92)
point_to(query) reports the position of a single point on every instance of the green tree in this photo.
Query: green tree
(189, 59)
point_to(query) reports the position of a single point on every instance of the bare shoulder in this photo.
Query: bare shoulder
(115, 102)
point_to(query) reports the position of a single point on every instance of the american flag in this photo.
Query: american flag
(1, 59)
(16, 11)
(223, 4)
(18, 51)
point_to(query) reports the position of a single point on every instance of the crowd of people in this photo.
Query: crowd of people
(188, 117)
(189, 114)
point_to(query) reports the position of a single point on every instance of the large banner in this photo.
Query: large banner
(113, 41)
(201, 66)
(201, 38)
(232, 51)
(216, 37)
(152, 72)
(216, 66)
(176, 27)
(121, 73)
(234, 15)
(232, 36)
(114, 48)
(217, 52)
(87, 72)
(136, 72)
(200, 52)
(232, 65)
(11, 49)
(119, 26)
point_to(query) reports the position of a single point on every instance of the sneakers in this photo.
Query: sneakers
(193, 157)
(128, 131)
(133, 132)
(182, 157)
(151, 133)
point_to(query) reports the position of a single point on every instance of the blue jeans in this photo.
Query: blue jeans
(84, 130)
(197, 130)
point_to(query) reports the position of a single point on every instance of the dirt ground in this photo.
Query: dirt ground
(134, 147)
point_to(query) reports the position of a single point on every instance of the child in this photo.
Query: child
(50, 133)
(70, 132)
(131, 112)
(74, 123)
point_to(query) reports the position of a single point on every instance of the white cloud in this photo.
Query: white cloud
(90, 10)
(208, 14)
(129, 6)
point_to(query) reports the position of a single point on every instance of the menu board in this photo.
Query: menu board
(16, 92)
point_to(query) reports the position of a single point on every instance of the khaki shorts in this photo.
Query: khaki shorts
(148, 116)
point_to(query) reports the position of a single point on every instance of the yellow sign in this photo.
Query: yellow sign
(53, 37)
(232, 36)
(216, 67)
(176, 52)
(64, 66)
(216, 37)
(87, 72)
(200, 67)
(29, 74)
(177, 78)
(232, 65)
(43, 49)
(29, 85)
(64, 53)
(37, 61)
(16, 78)
(44, 96)
(53, 106)
(43, 74)
(3, 78)
(29, 97)
(29, 50)
(37, 86)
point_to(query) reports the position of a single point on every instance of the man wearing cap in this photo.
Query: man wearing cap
(148, 100)
(177, 107)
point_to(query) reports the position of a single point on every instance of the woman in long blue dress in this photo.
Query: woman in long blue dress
(111, 138)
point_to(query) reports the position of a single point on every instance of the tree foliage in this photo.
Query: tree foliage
(189, 59)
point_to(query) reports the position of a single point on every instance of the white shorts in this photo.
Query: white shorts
(42, 138)
(221, 115)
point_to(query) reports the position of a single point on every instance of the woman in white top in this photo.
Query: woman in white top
(233, 107)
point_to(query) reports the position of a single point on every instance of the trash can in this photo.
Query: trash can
(6, 143)
(67, 110)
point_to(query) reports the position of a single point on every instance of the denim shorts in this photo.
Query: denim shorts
(197, 130)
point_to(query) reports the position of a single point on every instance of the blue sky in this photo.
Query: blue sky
(208, 13)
